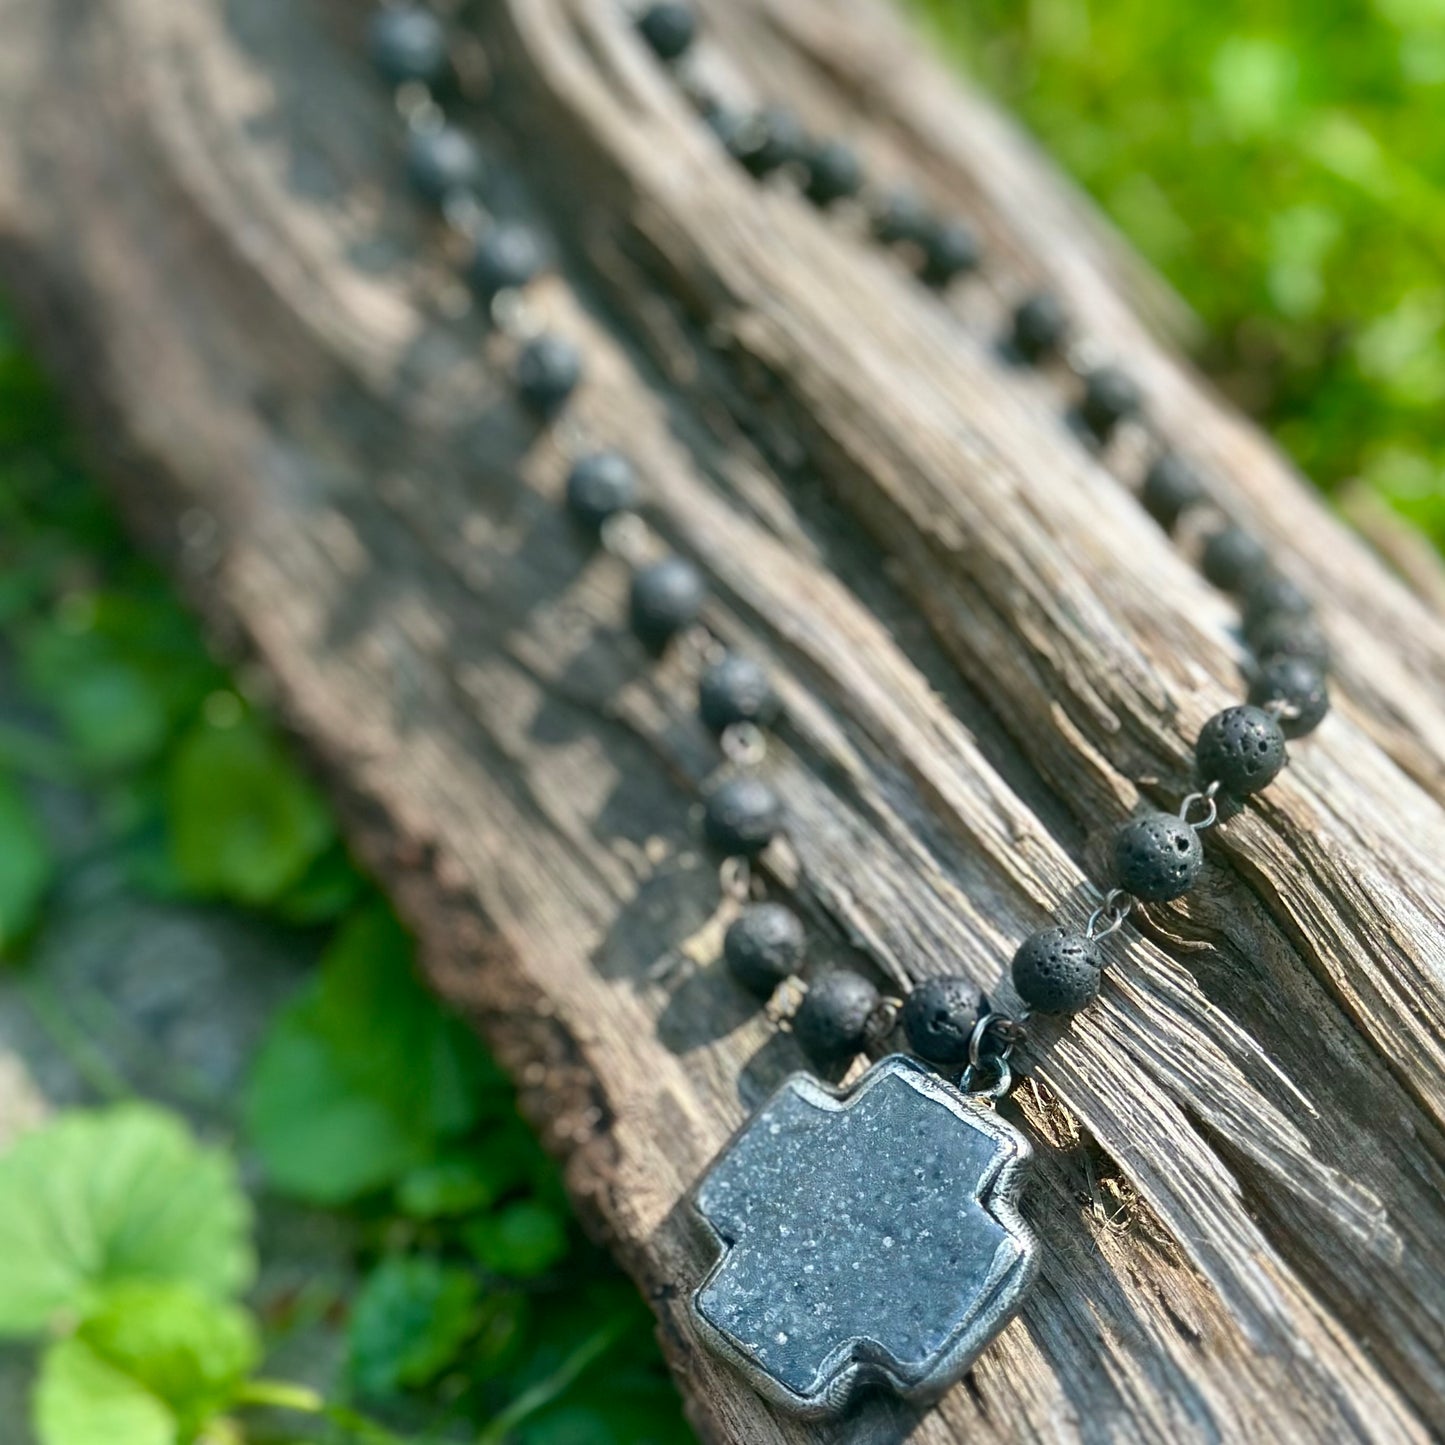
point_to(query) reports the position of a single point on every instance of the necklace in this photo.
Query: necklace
(866, 1233)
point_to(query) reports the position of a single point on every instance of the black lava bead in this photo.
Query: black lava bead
(669, 27)
(743, 815)
(1286, 636)
(1109, 398)
(1056, 971)
(1270, 595)
(1300, 685)
(834, 173)
(1233, 558)
(506, 259)
(950, 250)
(1171, 488)
(407, 45)
(938, 1019)
(1039, 326)
(901, 218)
(737, 689)
(1157, 857)
(769, 140)
(1242, 749)
(547, 372)
(667, 598)
(764, 946)
(599, 486)
(442, 162)
(832, 1022)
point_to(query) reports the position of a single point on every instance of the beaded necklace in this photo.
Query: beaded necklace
(867, 1234)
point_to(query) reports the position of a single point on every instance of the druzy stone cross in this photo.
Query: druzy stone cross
(867, 1236)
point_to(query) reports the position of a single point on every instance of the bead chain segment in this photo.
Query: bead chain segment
(1157, 856)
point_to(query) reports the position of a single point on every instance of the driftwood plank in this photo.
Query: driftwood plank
(989, 654)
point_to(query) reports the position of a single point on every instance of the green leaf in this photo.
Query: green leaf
(359, 1081)
(329, 888)
(245, 825)
(186, 1348)
(27, 865)
(454, 1185)
(82, 1400)
(97, 1199)
(523, 1240)
(410, 1321)
(321, 1134)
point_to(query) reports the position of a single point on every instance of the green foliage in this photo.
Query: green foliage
(523, 1240)
(1282, 164)
(27, 865)
(83, 1400)
(244, 824)
(362, 1078)
(409, 1323)
(97, 1200)
(184, 1347)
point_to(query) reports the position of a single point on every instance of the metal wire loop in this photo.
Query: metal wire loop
(1003, 1080)
(884, 1017)
(736, 877)
(1009, 1031)
(1109, 916)
(1209, 797)
(744, 744)
(624, 535)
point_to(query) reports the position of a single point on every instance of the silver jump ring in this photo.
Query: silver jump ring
(1010, 1033)
(744, 744)
(736, 877)
(1109, 916)
(624, 535)
(1003, 1079)
(1209, 797)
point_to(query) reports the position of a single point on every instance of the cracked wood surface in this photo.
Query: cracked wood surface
(989, 655)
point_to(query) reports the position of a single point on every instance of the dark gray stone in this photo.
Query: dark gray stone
(869, 1237)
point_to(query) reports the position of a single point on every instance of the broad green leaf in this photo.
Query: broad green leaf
(522, 1240)
(329, 888)
(185, 1347)
(454, 1185)
(244, 823)
(82, 1400)
(322, 1135)
(410, 1321)
(26, 864)
(97, 1199)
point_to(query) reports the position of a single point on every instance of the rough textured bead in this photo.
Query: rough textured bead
(1057, 971)
(938, 1019)
(1300, 685)
(764, 946)
(902, 217)
(832, 1022)
(950, 249)
(669, 27)
(743, 815)
(506, 258)
(1157, 857)
(1269, 595)
(769, 140)
(547, 372)
(1286, 636)
(667, 597)
(834, 173)
(1233, 558)
(1171, 488)
(1242, 749)
(1109, 398)
(599, 486)
(737, 689)
(1039, 326)
(442, 162)
(408, 45)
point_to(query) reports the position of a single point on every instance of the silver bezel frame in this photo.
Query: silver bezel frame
(859, 1363)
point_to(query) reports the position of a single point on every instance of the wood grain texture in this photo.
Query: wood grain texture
(989, 655)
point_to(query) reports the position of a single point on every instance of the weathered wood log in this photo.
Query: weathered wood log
(989, 655)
